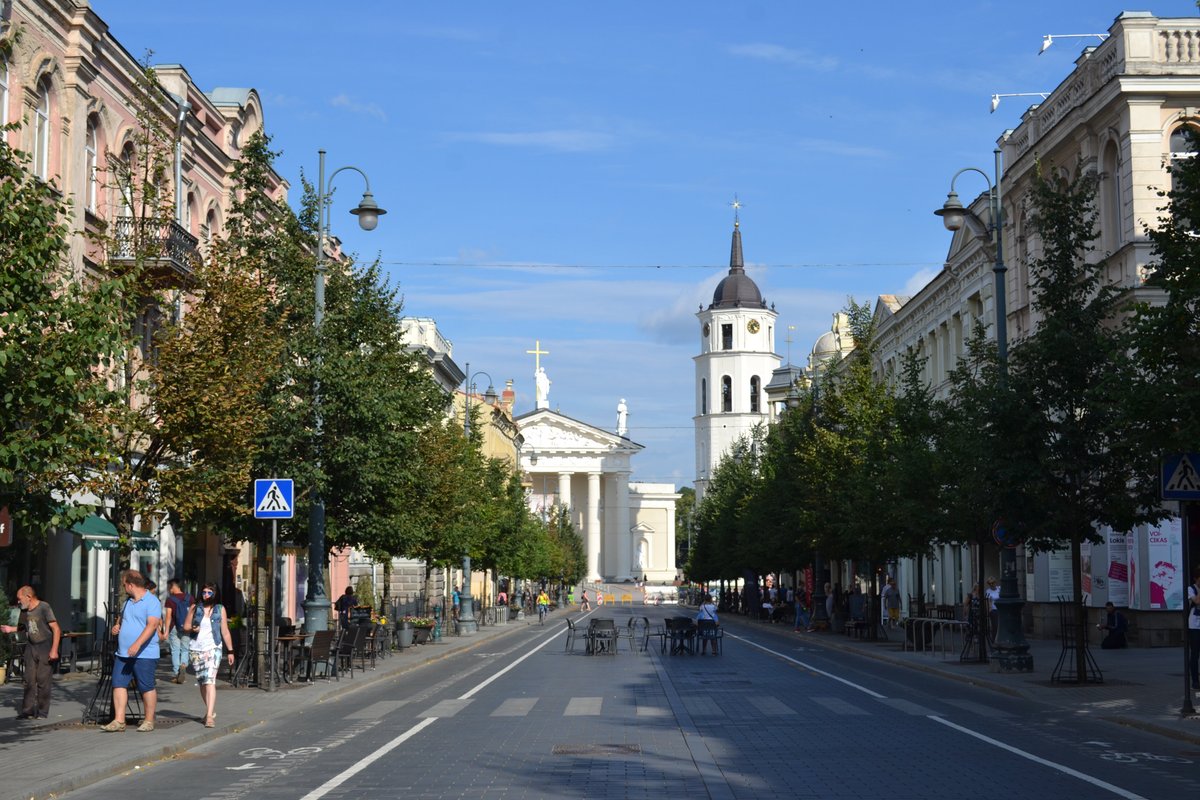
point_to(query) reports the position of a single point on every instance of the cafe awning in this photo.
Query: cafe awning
(100, 534)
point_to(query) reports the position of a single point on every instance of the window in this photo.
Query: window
(41, 134)
(755, 387)
(703, 396)
(3, 92)
(1110, 191)
(726, 394)
(727, 336)
(89, 166)
(1181, 148)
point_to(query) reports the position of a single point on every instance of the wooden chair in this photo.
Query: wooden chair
(320, 652)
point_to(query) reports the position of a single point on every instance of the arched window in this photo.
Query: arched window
(1181, 148)
(90, 160)
(41, 133)
(726, 394)
(125, 179)
(703, 396)
(1110, 190)
(755, 391)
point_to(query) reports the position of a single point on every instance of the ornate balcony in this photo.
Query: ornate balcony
(163, 246)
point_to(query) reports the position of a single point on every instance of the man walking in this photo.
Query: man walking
(137, 652)
(37, 622)
(174, 620)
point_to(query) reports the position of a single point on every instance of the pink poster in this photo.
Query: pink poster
(1118, 569)
(1133, 560)
(1165, 571)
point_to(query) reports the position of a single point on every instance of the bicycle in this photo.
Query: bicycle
(543, 610)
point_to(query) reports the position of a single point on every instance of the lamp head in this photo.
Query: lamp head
(490, 397)
(952, 212)
(1047, 40)
(995, 103)
(368, 212)
(533, 457)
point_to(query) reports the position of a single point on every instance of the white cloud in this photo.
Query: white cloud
(920, 280)
(367, 109)
(777, 54)
(562, 141)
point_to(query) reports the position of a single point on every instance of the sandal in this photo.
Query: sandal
(208, 722)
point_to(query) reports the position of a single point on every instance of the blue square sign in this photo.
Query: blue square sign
(273, 498)
(1180, 477)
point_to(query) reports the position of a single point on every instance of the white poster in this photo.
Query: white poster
(1117, 572)
(1164, 560)
(1133, 558)
(1059, 569)
(1085, 571)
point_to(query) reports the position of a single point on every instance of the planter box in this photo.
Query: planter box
(421, 635)
(404, 636)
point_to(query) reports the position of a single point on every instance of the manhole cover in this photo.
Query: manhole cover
(596, 749)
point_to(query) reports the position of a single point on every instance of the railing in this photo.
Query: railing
(154, 240)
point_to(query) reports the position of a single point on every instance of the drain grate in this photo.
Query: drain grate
(596, 749)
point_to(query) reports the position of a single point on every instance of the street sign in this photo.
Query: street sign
(1180, 477)
(6, 531)
(273, 498)
(1003, 536)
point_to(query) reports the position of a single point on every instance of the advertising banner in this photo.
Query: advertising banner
(1117, 572)
(1059, 570)
(1133, 559)
(1085, 571)
(1165, 554)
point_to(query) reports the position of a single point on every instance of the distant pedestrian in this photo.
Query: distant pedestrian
(1193, 594)
(892, 603)
(502, 598)
(707, 615)
(991, 594)
(584, 603)
(830, 599)
(343, 605)
(137, 652)
(456, 598)
(802, 619)
(1114, 625)
(209, 625)
(175, 620)
(43, 636)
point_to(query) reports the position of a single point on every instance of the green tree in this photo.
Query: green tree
(685, 509)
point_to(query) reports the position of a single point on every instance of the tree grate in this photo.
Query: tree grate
(596, 749)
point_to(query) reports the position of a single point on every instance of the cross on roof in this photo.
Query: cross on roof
(537, 352)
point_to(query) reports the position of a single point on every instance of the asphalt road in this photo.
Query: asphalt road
(770, 717)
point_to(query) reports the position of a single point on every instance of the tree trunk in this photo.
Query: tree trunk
(1081, 672)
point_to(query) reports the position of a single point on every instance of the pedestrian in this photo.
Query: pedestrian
(502, 598)
(175, 618)
(707, 615)
(802, 620)
(1115, 625)
(892, 603)
(42, 638)
(209, 625)
(1193, 594)
(343, 605)
(456, 598)
(137, 652)
(830, 599)
(584, 603)
(991, 594)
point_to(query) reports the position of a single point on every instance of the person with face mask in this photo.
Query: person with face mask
(43, 634)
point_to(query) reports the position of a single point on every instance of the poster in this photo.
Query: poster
(1059, 570)
(1165, 549)
(1118, 569)
(1133, 559)
(1085, 571)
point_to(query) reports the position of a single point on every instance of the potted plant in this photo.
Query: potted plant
(422, 627)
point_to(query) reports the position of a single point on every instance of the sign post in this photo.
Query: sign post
(273, 500)
(1181, 481)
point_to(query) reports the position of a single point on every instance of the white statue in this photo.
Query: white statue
(543, 387)
(622, 418)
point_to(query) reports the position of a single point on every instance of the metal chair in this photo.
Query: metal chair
(572, 632)
(320, 652)
(709, 633)
(602, 636)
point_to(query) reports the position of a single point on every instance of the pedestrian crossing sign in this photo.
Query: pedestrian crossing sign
(1180, 478)
(273, 498)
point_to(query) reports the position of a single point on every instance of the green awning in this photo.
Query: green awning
(100, 534)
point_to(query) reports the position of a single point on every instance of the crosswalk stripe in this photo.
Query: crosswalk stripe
(702, 707)
(583, 707)
(377, 710)
(446, 708)
(653, 711)
(770, 706)
(980, 708)
(907, 706)
(515, 707)
(839, 706)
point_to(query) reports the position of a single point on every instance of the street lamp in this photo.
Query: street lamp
(1012, 651)
(316, 603)
(819, 619)
(467, 625)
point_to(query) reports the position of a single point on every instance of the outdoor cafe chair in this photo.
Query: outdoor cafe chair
(709, 633)
(572, 632)
(320, 653)
(364, 645)
(602, 636)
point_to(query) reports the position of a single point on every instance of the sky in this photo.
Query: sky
(562, 173)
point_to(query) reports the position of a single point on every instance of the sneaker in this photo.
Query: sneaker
(181, 676)
(113, 727)
(145, 727)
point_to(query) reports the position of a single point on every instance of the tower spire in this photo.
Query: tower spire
(736, 264)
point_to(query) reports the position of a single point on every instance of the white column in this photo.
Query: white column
(624, 536)
(564, 489)
(593, 526)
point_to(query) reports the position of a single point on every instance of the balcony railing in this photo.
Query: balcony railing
(157, 243)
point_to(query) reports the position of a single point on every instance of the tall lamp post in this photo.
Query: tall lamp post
(1012, 651)
(819, 618)
(316, 602)
(467, 624)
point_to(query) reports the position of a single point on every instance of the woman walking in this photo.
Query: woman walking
(209, 626)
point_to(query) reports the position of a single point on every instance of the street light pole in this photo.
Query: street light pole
(467, 624)
(1012, 651)
(316, 602)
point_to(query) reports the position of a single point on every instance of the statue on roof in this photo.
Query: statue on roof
(542, 384)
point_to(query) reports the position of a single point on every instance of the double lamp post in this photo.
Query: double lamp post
(467, 624)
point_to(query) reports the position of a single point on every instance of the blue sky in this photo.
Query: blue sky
(562, 171)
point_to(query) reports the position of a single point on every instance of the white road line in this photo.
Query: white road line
(345, 775)
(359, 766)
(808, 667)
(1117, 790)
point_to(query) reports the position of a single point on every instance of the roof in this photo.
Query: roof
(737, 289)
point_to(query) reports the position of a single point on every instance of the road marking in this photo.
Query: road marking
(908, 707)
(702, 707)
(1108, 787)
(377, 710)
(839, 706)
(770, 706)
(583, 707)
(808, 667)
(446, 708)
(515, 707)
(652, 711)
(979, 708)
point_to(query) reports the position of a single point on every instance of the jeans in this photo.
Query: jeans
(179, 642)
(801, 618)
(1194, 655)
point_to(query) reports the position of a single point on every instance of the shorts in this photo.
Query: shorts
(206, 663)
(894, 614)
(127, 670)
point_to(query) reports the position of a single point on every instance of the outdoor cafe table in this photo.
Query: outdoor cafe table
(73, 637)
(286, 646)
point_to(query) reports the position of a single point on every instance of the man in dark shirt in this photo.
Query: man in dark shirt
(343, 605)
(1114, 625)
(43, 634)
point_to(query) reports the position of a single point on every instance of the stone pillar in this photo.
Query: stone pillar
(624, 537)
(593, 526)
(564, 489)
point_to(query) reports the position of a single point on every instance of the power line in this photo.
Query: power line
(551, 265)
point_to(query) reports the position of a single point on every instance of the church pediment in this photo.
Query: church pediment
(549, 431)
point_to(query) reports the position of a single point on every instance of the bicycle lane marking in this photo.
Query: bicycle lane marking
(1108, 787)
(943, 721)
(368, 760)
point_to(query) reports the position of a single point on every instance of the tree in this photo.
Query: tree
(685, 509)
(60, 334)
